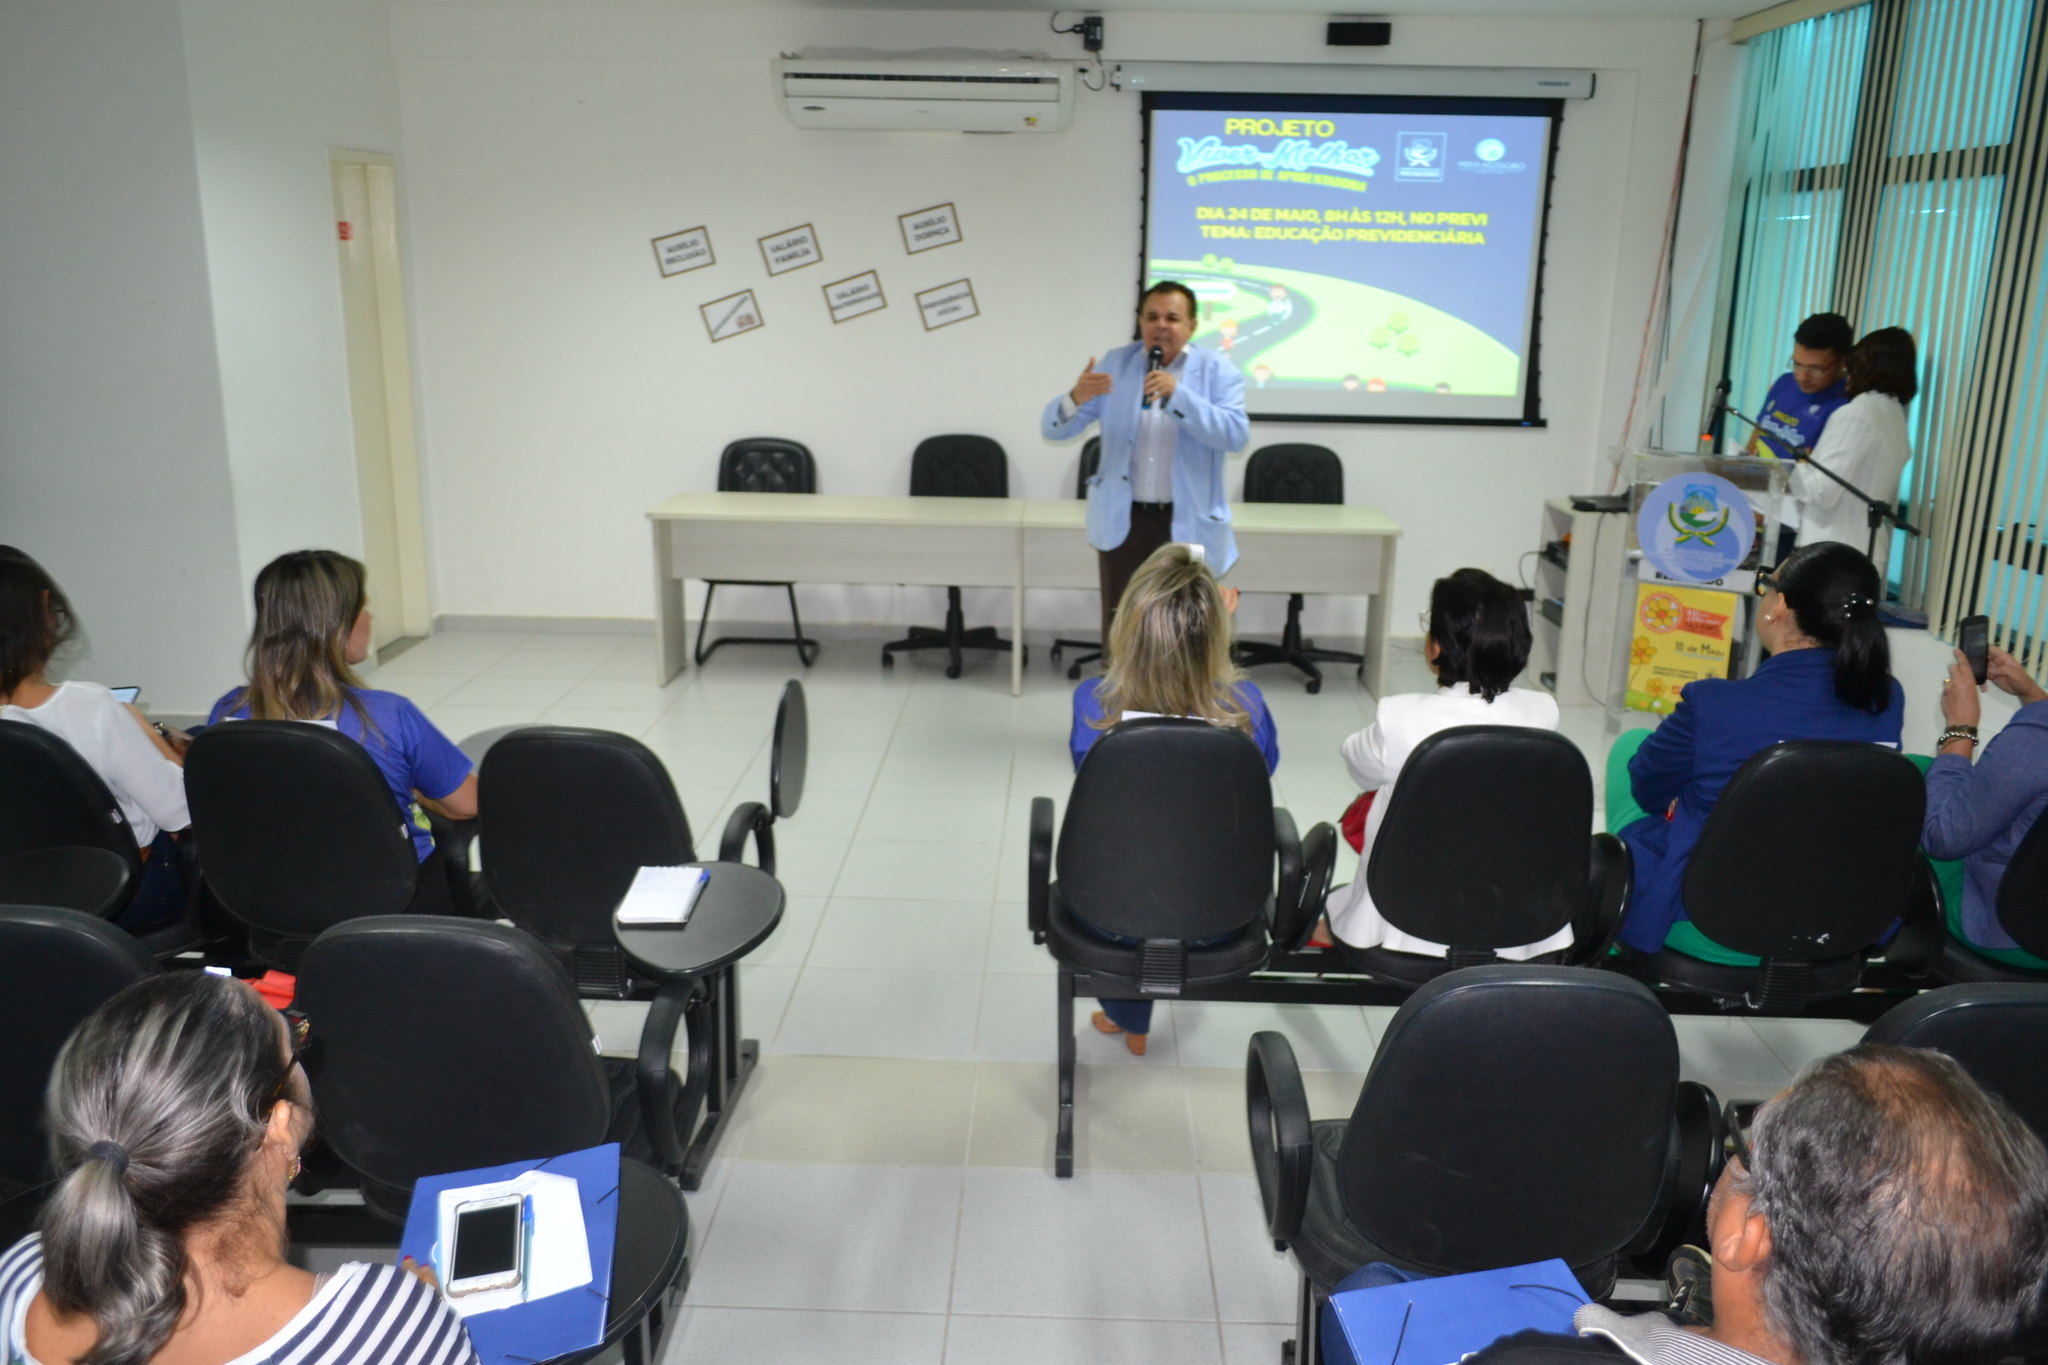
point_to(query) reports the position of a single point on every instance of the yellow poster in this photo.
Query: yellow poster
(1681, 635)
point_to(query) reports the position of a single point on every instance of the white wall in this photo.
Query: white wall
(273, 88)
(113, 466)
(566, 387)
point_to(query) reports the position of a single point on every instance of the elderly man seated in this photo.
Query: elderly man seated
(1890, 1213)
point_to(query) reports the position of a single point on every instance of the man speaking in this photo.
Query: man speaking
(1169, 413)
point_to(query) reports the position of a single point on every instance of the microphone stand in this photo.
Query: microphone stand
(1878, 511)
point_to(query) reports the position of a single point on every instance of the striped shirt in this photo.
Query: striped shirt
(360, 1315)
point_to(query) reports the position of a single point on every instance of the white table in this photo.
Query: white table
(990, 543)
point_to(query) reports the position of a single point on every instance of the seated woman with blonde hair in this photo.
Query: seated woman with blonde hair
(1169, 655)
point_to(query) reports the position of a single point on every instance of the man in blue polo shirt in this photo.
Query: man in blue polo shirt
(1801, 401)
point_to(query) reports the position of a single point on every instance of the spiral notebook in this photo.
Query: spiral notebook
(662, 895)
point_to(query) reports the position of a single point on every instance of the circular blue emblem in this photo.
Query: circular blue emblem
(1491, 149)
(1695, 527)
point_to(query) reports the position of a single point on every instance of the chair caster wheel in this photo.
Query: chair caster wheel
(1055, 653)
(1314, 685)
(888, 661)
(1026, 651)
(1286, 1353)
(952, 670)
(1073, 672)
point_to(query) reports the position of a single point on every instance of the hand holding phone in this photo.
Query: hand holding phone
(1973, 638)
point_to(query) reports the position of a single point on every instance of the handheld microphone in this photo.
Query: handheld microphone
(1156, 361)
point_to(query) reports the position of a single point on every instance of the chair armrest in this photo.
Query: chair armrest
(1295, 915)
(749, 817)
(1598, 922)
(1918, 943)
(1287, 845)
(1276, 1107)
(1039, 891)
(1698, 1151)
(655, 1080)
(455, 838)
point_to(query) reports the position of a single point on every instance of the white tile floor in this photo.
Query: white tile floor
(885, 1192)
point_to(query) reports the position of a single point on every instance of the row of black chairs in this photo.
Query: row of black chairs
(964, 466)
(1166, 888)
(1489, 1134)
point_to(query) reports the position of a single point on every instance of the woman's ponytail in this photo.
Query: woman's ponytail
(155, 1107)
(1832, 590)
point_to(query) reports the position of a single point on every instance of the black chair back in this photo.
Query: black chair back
(56, 967)
(1294, 472)
(1169, 832)
(1996, 1031)
(296, 830)
(568, 817)
(1810, 852)
(959, 467)
(2023, 891)
(767, 464)
(444, 1044)
(1513, 1113)
(52, 798)
(789, 755)
(1091, 460)
(1484, 842)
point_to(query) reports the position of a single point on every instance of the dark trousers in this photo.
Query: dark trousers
(1151, 527)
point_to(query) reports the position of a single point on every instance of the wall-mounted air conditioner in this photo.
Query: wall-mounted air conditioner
(934, 92)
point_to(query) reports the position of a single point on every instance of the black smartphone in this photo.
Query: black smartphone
(1973, 637)
(126, 695)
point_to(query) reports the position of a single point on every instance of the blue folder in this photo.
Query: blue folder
(1441, 1321)
(560, 1323)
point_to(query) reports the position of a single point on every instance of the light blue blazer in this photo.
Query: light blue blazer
(1209, 404)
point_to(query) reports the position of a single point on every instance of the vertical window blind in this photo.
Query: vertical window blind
(1893, 173)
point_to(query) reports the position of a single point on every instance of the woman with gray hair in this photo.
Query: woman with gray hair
(177, 1113)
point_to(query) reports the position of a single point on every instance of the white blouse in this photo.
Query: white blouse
(1864, 442)
(1375, 756)
(149, 788)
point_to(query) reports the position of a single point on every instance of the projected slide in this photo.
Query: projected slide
(1365, 263)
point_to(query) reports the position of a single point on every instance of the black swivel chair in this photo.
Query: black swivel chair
(1091, 460)
(1294, 473)
(1169, 839)
(954, 467)
(56, 967)
(444, 1044)
(1847, 818)
(63, 839)
(1997, 1031)
(1484, 847)
(762, 464)
(2022, 910)
(296, 832)
(1512, 1113)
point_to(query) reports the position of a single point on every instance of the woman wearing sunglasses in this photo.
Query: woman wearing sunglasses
(176, 1114)
(1828, 677)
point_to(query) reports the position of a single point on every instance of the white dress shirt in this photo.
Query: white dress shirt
(1152, 461)
(149, 788)
(1375, 756)
(1864, 442)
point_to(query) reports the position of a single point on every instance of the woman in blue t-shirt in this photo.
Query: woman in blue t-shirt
(312, 628)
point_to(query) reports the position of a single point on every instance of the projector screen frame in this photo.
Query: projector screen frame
(1550, 107)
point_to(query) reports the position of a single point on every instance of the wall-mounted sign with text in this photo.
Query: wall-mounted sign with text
(792, 249)
(850, 298)
(938, 225)
(947, 304)
(731, 315)
(684, 251)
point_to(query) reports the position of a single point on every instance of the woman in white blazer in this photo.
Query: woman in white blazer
(1476, 642)
(1863, 442)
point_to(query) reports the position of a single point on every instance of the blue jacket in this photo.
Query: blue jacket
(1088, 709)
(1718, 724)
(1209, 401)
(1980, 813)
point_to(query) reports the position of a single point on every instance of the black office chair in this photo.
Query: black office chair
(568, 817)
(955, 467)
(1848, 818)
(1294, 473)
(56, 967)
(1484, 847)
(1997, 1031)
(53, 807)
(2022, 910)
(1091, 460)
(1512, 1113)
(1169, 839)
(443, 1044)
(296, 832)
(762, 464)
